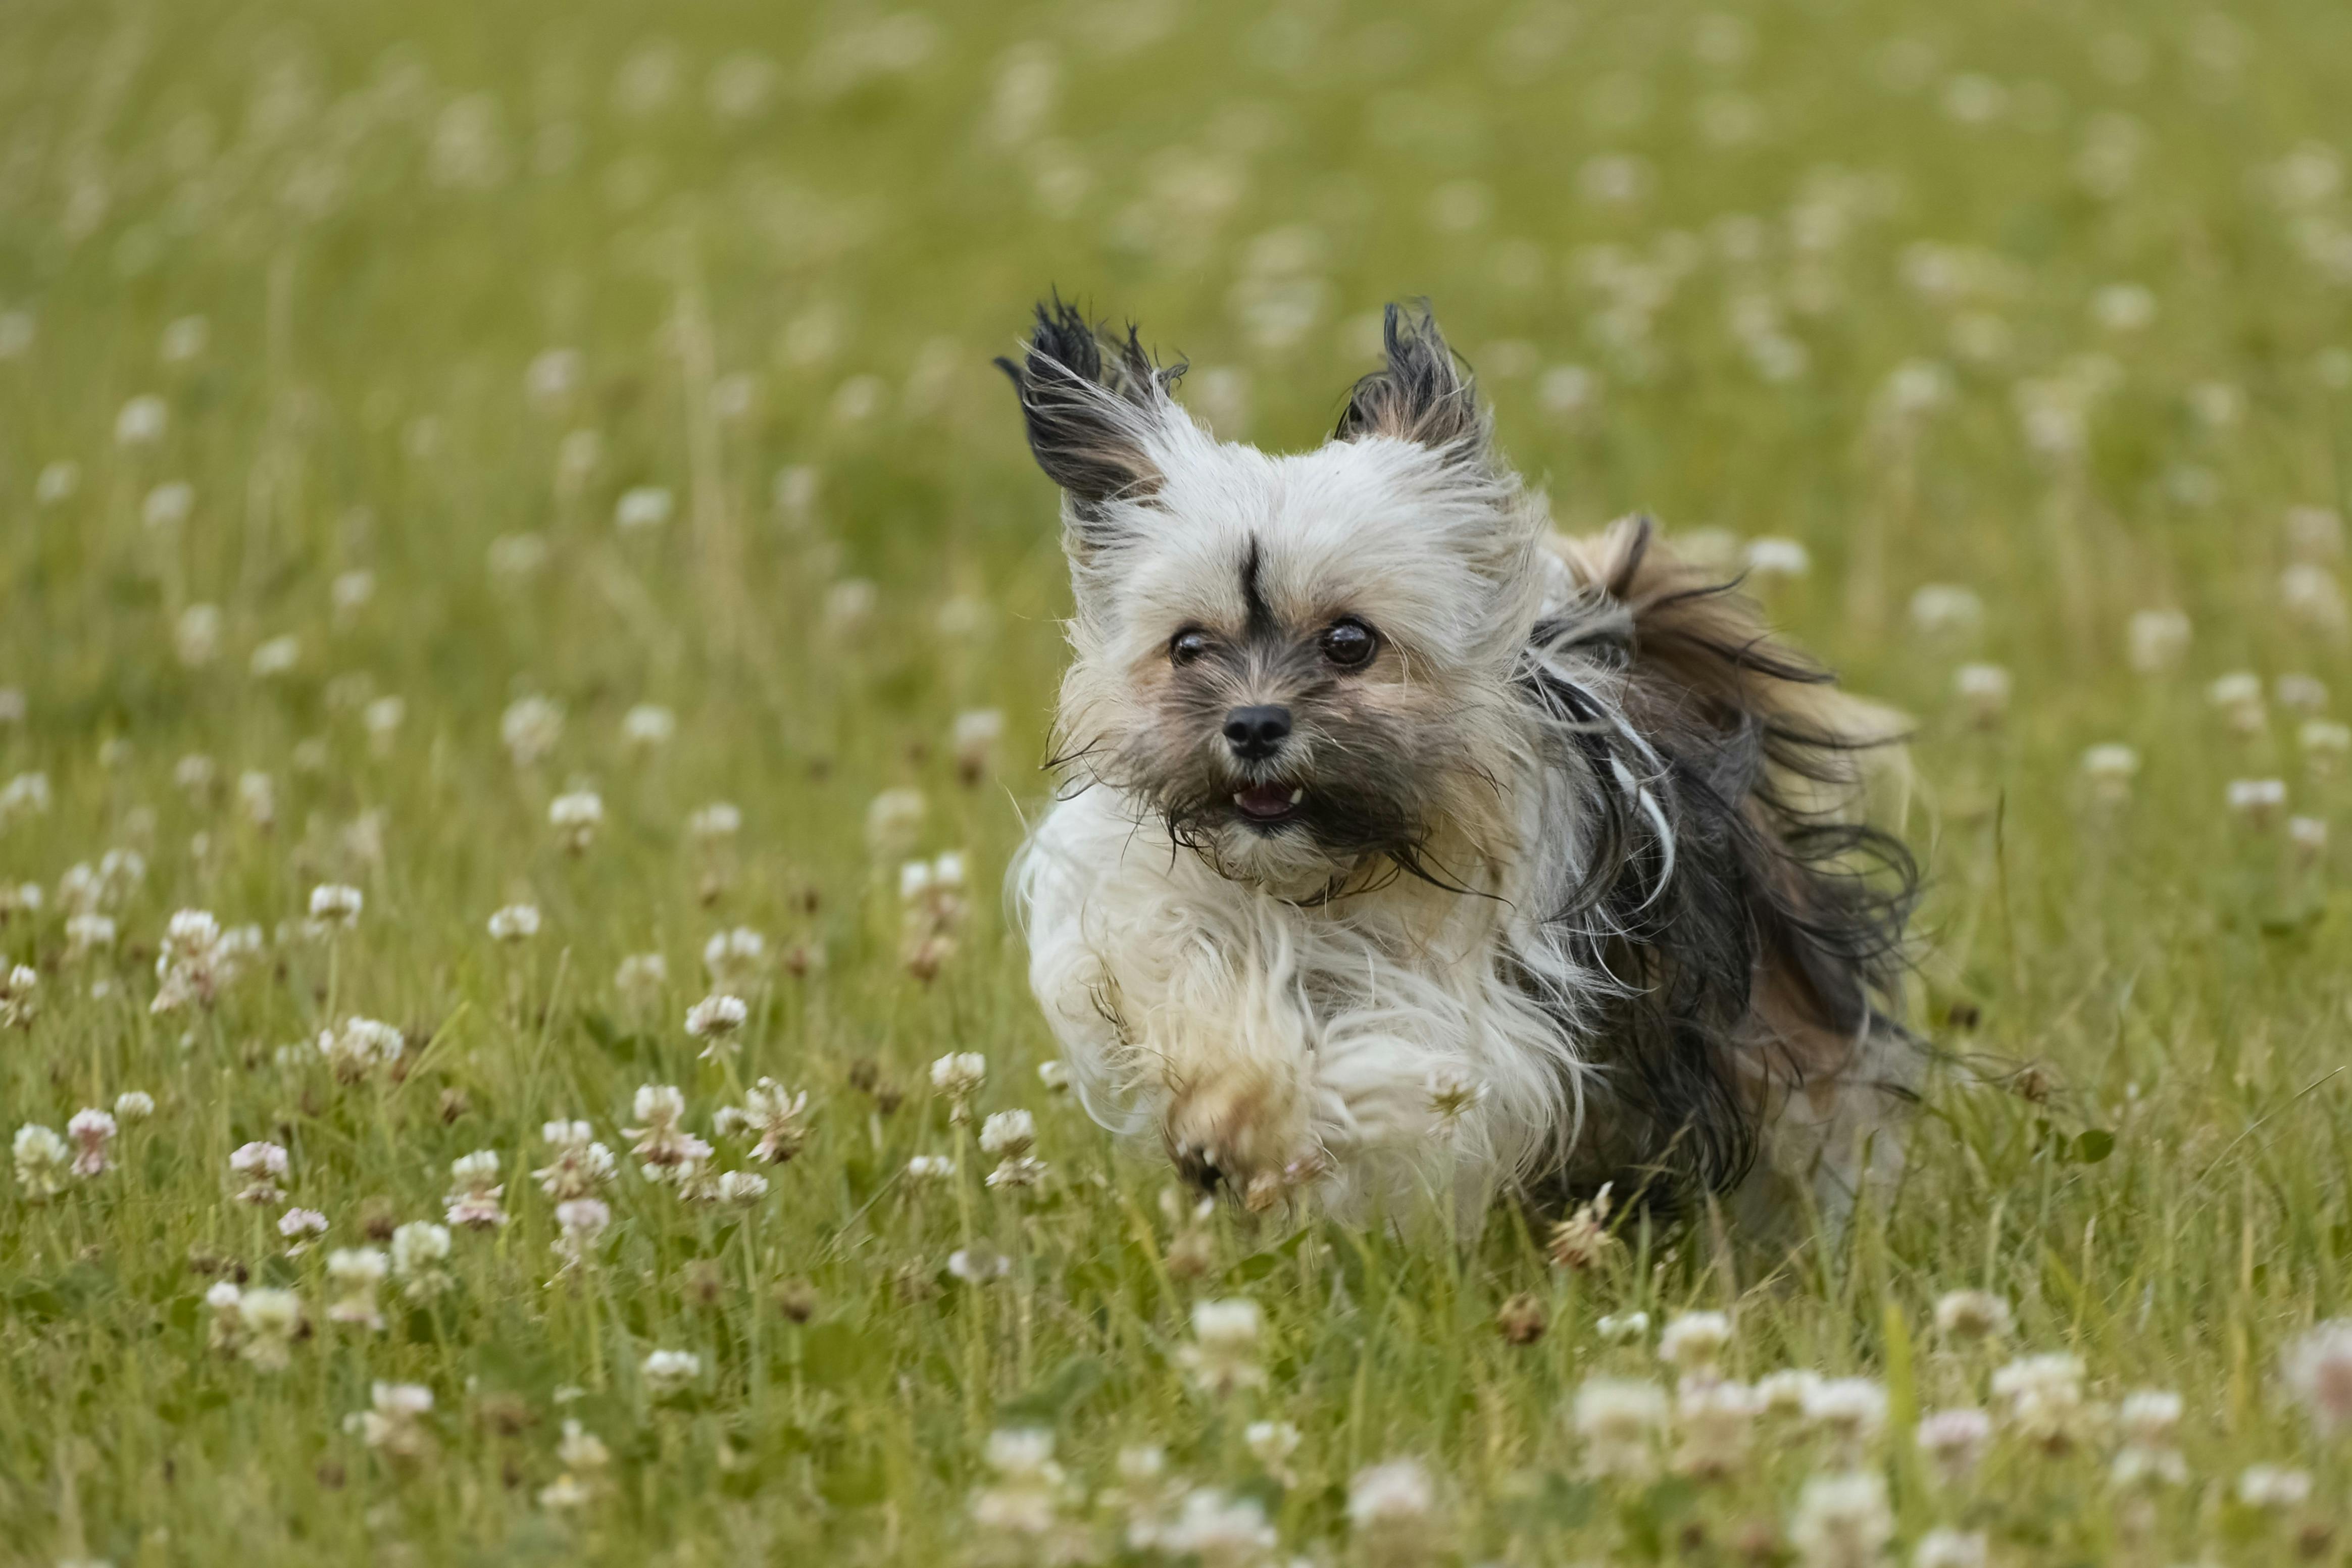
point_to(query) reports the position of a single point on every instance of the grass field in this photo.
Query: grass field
(418, 421)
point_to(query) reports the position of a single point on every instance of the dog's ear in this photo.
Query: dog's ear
(1097, 407)
(1423, 393)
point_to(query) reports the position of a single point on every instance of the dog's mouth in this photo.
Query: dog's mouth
(1268, 804)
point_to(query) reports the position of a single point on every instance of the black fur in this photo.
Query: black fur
(1422, 393)
(1084, 395)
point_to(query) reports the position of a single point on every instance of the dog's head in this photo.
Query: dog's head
(1299, 663)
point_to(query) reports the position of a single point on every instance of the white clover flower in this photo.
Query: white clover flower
(1970, 1316)
(267, 1321)
(773, 1112)
(354, 1272)
(1694, 1342)
(1054, 1075)
(44, 1161)
(720, 820)
(741, 1186)
(2274, 1486)
(662, 1142)
(1946, 1548)
(716, 1018)
(1786, 1392)
(275, 657)
(959, 1074)
(1008, 1134)
(395, 1419)
(2045, 1401)
(578, 1165)
(576, 816)
(515, 923)
(1019, 1172)
(1619, 1421)
(56, 482)
(973, 740)
(643, 509)
(18, 1005)
(134, 1105)
(142, 420)
(581, 1223)
(1947, 612)
(1849, 1410)
(336, 904)
(1395, 1495)
(25, 795)
(641, 978)
(733, 959)
(1223, 1355)
(301, 1226)
(671, 1371)
(2238, 696)
(978, 1264)
(1770, 559)
(197, 635)
(1622, 1328)
(1983, 691)
(649, 727)
(2110, 769)
(893, 821)
(261, 1166)
(930, 1168)
(418, 1249)
(2256, 801)
(2123, 307)
(360, 1046)
(474, 1199)
(2317, 1369)
(258, 793)
(1219, 1529)
(530, 728)
(1843, 1520)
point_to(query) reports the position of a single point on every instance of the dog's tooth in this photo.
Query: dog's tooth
(1297, 795)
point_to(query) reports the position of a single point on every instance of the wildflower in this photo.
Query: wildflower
(576, 816)
(18, 985)
(733, 959)
(2157, 640)
(1223, 1355)
(355, 1272)
(1271, 1444)
(1770, 559)
(973, 740)
(1521, 1319)
(1946, 613)
(2308, 836)
(1983, 691)
(1954, 1440)
(25, 795)
(43, 1161)
(1019, 1172)
(2318, 1372)
(2258, 802)
(581, 1223)
(1008, 1134)
(1851, 1410)
(2237, 698)
(1582, 1241)
(2045, 1399)
(1843, 1520)
(1787, 1391)
(258, 795)
(930, 1168)
(662, 1108)
(418, 1249)
(584, 1457)
(267, 1321)
(335, 903)
(2110, 769)
(395, 1419)
(530, 728)
(2325, 743)
(2150, 1421)
(275, 657)
(2311, 595)
(671, 1371)
(301, 1226)
(958, 1075)
(197, 635)
(1219, 1530)
(474, 1202)
(381, 718)
(932, 895)
(978, 1264)
(360, 1046)
(1716, 1419)
(2274, 1486)
(227, 1333)
(1696, 1341)
(647, 726)
(645, 508)
(1970, 1317)
(1054, 1075)
(720, 820)
(514, 923)
(1950, 1549)
(2300, 693)
(134, 1105)
(140, 421)
(892, 822)
(349, 593)
(579, 1166)
(1026, 1496)
(773, 1112)
(196, 959)
(741, 1187)
(641, 977)
(1392, 1508)
(1622, 1328)
(715, 1020)
(1618, 1420)
(262, 1166)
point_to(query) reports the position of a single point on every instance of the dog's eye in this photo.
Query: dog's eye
(1349, 643)
(1187, 645)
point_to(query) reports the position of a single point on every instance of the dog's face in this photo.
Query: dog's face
(1298, 664)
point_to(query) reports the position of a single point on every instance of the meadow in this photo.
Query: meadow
(528, 632)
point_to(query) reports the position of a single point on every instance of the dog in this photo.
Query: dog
(1403, 841)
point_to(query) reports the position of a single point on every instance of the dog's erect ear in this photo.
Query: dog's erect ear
(1095, 405)
(1423, 394)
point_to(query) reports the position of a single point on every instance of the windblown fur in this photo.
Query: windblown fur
(1553, 826)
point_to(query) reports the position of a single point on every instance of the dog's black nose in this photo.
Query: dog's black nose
(1257, 733)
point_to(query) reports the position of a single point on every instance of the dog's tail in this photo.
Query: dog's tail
(1770, 953)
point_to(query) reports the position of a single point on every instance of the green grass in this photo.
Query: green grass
(384, 214)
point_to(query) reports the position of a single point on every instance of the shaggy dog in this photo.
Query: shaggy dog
(1404, 841)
